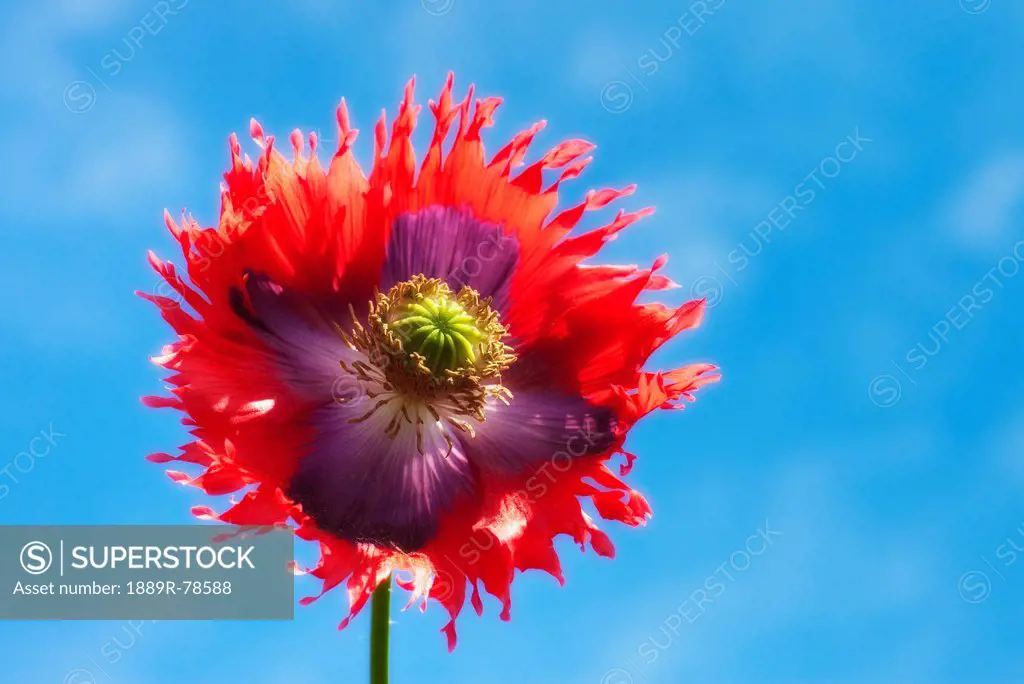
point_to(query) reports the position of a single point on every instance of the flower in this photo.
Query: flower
(417, 369)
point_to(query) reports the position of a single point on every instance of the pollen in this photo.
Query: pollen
(431, 355)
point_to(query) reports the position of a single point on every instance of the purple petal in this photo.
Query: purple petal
(449, 244)
(308, 349)
(539, 426)
(364, 486)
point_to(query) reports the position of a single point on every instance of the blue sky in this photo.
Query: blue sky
(870, 423)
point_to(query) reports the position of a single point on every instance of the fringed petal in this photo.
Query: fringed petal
(293, 234)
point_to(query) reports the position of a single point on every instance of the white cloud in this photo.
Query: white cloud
(1004, 446)
(137, 150)
(807, 35)
(834, 567)
(37, 40)
(77, 165)
(603, 56)
(702, 216)
(986, 208)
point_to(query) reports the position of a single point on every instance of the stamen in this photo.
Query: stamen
(433, 351)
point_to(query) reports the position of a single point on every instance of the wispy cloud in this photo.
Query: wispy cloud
(984, 211)
(78, 165)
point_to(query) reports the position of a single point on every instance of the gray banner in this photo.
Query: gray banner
(159, 572)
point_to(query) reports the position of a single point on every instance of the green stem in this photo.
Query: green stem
(380, 627)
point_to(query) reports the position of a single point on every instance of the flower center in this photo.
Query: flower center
(433, 356)
(439, 329)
